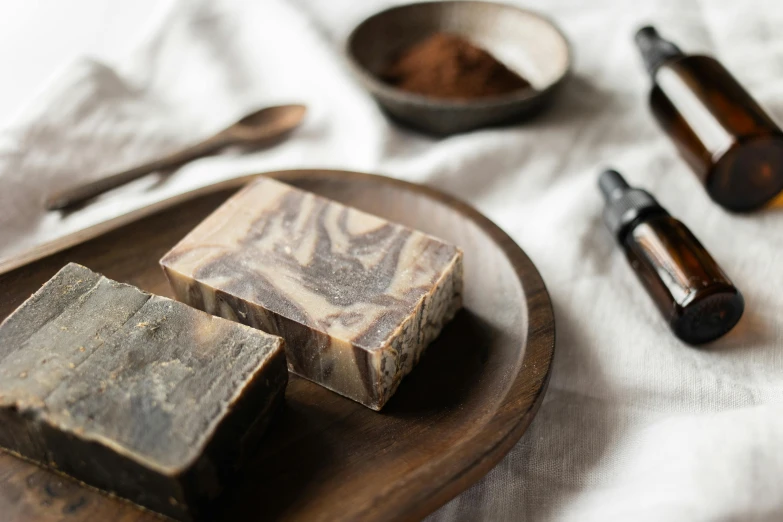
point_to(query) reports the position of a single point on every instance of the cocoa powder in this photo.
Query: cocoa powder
(445, 65)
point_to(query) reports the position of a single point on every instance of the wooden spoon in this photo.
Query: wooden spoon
(254, 129)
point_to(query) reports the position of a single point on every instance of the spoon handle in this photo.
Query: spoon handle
(81, 193)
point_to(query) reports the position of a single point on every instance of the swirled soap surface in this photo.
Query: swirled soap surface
(356, 297)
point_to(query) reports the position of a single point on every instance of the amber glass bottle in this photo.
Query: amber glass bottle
(692, 292)
(734, 147)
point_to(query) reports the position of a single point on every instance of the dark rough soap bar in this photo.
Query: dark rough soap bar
(134, 393)
(357, 298)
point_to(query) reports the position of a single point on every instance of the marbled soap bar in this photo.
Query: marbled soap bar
(356, 298)
(133, 393)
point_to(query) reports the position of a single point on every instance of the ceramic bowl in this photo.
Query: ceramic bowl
(526, 42)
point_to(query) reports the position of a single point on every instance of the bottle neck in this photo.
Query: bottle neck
(641, 216)
(625, 206)
(655, 50)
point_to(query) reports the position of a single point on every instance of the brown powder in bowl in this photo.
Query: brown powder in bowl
(448, 66)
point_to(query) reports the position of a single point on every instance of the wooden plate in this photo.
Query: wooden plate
(327, 458)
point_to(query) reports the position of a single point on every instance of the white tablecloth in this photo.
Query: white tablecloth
(635, 425)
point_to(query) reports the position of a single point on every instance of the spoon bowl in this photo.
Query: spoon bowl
(263, 123)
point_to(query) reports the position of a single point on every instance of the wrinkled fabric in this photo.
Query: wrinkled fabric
(635, 425)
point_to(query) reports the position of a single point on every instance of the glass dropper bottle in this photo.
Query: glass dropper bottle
(730, 142)
(692, 292)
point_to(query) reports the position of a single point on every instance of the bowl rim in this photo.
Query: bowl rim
(375, 85)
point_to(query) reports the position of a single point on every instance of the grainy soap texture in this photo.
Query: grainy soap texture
(356, 298)
(134, 393)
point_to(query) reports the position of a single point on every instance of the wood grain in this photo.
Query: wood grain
(327, 458)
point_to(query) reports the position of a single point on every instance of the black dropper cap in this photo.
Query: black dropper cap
(624, 205)
(655, 50)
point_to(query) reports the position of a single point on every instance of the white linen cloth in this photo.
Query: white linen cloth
(635, 425)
